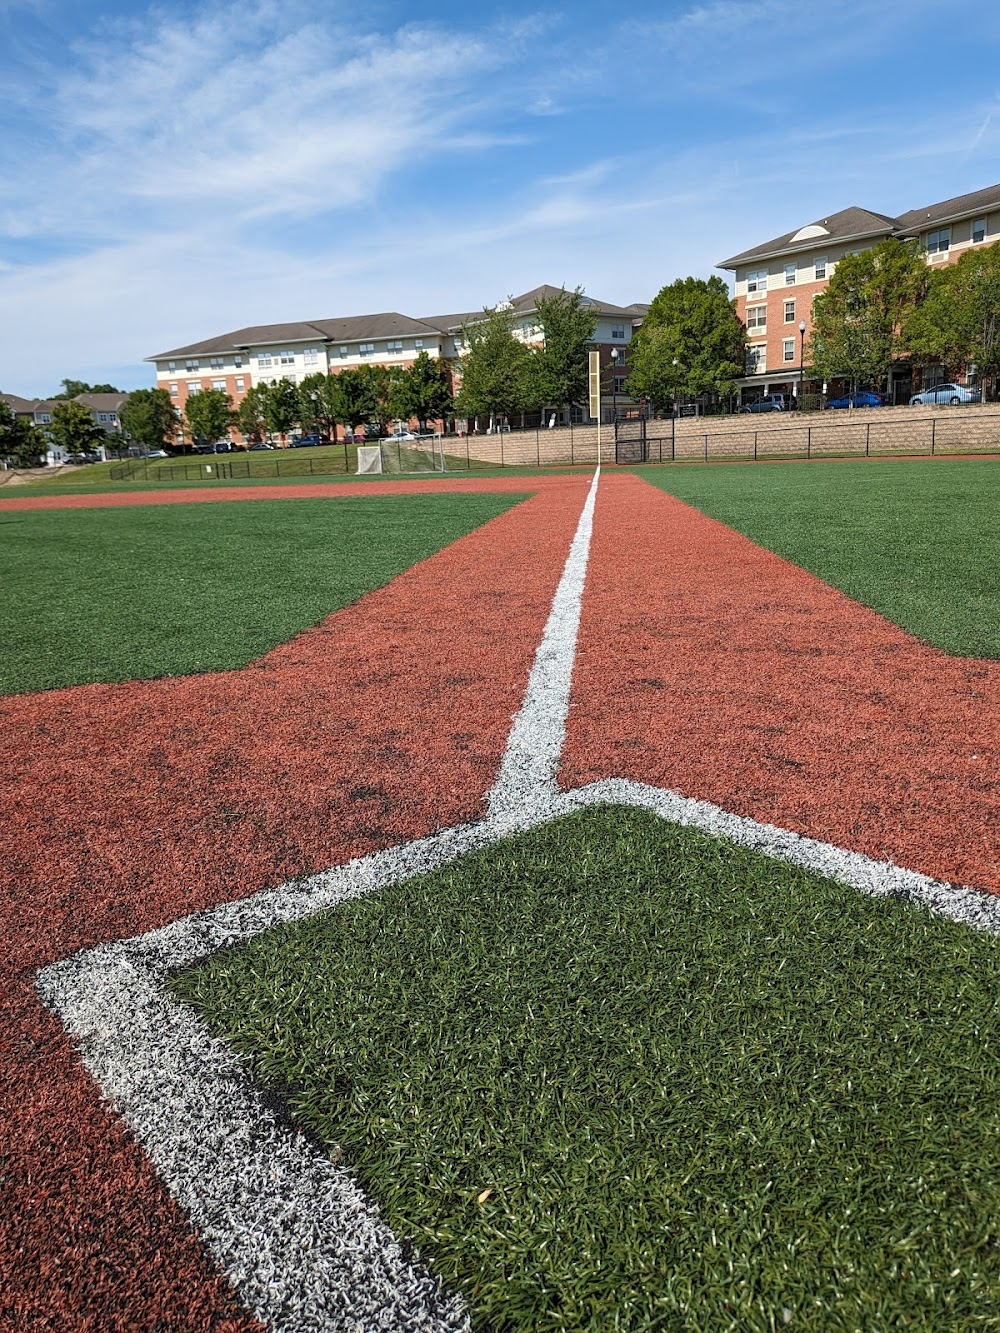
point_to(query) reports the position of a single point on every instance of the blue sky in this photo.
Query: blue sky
(173, 171)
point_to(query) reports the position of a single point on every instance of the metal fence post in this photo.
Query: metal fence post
(868, 438)
(933, 432)
(706, 446)
(755, 446)
(809, 442)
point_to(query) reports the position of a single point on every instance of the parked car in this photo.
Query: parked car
(771, 402)
(861, 398)
(254, 448)
(307, 441)
(946, 393)
(399, 435)
(157, 453)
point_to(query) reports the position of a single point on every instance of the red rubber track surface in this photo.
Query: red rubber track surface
(715, 668)
(124, 807)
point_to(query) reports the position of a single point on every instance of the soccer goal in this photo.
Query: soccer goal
(403, 456)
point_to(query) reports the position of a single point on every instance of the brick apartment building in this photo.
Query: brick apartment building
(234, 362)
(776, 282)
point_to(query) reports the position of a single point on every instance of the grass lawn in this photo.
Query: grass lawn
(129, 593)
(614, 1074)
(919, 542)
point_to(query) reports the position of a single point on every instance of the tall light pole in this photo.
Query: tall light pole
(802, 357)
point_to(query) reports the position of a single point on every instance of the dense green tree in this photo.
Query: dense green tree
(208, 415)
(320, 404)
(959, 319)
(422, 392)
(281, 408)
(72, 388)
(150, 418)
(74, 429)
(560, 367)
(691, 342)
(19, 438)
(362, 398)
(250, 414)
(858, 321)
(496, 367)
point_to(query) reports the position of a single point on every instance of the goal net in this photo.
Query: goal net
(402, 456)
(369, 458)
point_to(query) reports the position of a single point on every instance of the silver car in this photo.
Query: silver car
(946, 393)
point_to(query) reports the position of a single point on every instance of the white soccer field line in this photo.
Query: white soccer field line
(300, 1243)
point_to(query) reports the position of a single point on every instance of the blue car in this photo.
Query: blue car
(947, 393)
(862, 398)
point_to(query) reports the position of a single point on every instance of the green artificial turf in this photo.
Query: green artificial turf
(614, 1074)
(128, 592)
(917, 541)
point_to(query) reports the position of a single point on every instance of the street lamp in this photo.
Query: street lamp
(615, 356)
(802, 356)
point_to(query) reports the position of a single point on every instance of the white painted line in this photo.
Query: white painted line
(304, 1249)
(528, 771)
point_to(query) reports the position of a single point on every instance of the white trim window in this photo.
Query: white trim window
(173, 389)
(819, 269)
(788, 349)
(366, 349)
(239, 383)
(418, 344)
(343, 352)
(757, 280)
(310, 356)
(287, 357)
(939, 242)
(978, 231)
(757, 317)
(237, 360)
(215, 362)
(790, 312)
(194, 386)
(264, 361)
(220, 385)
(756, 359)
(171, 365)
(791, 272)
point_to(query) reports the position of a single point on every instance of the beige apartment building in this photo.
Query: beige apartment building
(776, 282)
(234, 362)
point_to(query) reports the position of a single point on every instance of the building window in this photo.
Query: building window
(264, 361)
(287, 357)
(418, 344)
(343, 353)
(394, 348)
(46, 419)
(820, 270)
(790, 271)
(757, 281)
(194, 386)
(237, 360)
(933, 376)
(239, 383)
(789, 312)
(618, 333)
(190, 365)
(788, 349)
(938, 241)
(620, 382)
(366, 349)
(971, 373)
(171, 365)
(216, 362)
(103, 418)
(173, 390)
(756, 359)
(979, 230)
(219, 384)
(757, 317)
(310, 356)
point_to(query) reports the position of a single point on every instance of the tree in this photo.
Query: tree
(73, 428)
(361, 396)
(150, 418)
(423, 391)
(496, 367)
(19, 439)
(691, 342)
(208, 415)
(281, 407)
(250, 415)
(73, 388)
(560, 367)
(320, 404)
(857, 323)
(959, 319)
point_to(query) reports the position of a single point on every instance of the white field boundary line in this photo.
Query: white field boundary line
(302, 1246)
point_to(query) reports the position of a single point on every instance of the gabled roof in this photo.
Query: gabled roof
(101, 402)
(978, 202)
(849, 224)
(19, 406)
(347, 329)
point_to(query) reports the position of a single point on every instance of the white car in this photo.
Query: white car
(398, 435)
(946, 393)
